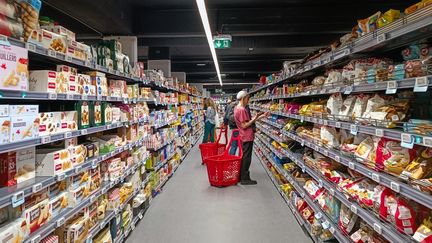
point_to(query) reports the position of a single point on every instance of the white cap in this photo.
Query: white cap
(241, 95)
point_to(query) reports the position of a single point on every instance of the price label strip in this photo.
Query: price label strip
(421, 84)
(407, 140)
(391, 87)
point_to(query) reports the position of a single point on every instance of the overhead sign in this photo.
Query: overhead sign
(222, 41)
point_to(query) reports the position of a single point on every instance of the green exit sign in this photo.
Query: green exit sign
(222, 41)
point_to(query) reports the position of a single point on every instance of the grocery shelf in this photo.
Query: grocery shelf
(394, 134)
(185, 132)
(274, 124)
(59, 136)
(409, 27)
(166, 123)
(334, 229)
(161, 145)
(11, 195)
(408, 83)
(161, 164)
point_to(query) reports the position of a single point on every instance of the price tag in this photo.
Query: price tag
(84, 97)
(46, 139)
(320, 183)
(36, 239)
(68, 58)
(395, 186)
(353, 208)
(52, 53)
(92, 199)
(133, 226)
(427, 141)
(407, 140)
(17, 199)
(94, 164)
(69, 96)
(326, 224)
(36, 187)
(104, 190)
(68, 134)
(60, 221)
(332, 192)
(61, 177)
(52, 96)
(379, 132)
(351, 165)
(381, 38)
(78, 169)
(318, 215)
(421, 84)
(347, 52)
(302, 142)
(338, 124)
(332, 230)
(109, 126)
(325, 153)
(31, 47)
(376, 177)
(84, 132)
(354, 129)
(391, 87)
(348, 90)
(377, 228)
(325, 122)
(301, 118)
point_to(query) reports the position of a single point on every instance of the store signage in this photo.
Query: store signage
(222, 41)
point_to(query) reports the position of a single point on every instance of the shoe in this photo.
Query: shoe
(248, 182)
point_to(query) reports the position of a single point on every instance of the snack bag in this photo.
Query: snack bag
(347, 107)
(30, 15)
(359, 106)
(329, 136)
(388, 17)
(392, 157)
(334, 104)
(420, 167)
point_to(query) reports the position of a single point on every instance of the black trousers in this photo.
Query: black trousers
(246, 160)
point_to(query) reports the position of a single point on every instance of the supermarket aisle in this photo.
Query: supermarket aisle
(189, 210)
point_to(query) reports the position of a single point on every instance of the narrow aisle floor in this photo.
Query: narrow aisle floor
(189, 210)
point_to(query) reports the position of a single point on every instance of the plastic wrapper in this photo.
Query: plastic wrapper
(392, 157)
(348, 221)
(329, 136)
(424, 231)
(347, 107)
(334, 104)
(388, 17)
(389, 115)
(368, 25)
(420, 167)
(334, 77)
(318, 81)
(397, 211)
(373, 104)
(360, 106)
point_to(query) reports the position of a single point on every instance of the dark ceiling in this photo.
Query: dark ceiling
(265, 32)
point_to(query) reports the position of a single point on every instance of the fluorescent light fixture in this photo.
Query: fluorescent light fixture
(201, 64)
(204, 19)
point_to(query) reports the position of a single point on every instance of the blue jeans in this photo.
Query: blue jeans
(234, 144)
(209, 132)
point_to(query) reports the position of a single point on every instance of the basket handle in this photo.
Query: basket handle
(222, 130)
(235, 138)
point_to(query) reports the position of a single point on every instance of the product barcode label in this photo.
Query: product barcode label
(84, 97)
(318, 215)
(45, 139)
(379, 132)
(68, 134)
(381, 38)
(421, 84)
(325, 122)
(52, 96)
(68, 58)
(348, 90)
(377, 228)
(391, 87)
(61, 177)
(31, 47)
(354, 129)
(395, 186)
(36, 187)
(78, 169)
(338, 124)
(407, 140)
(375, 177)
(69, 96)
(351, 165)
(60, 221)
(17, 199)
(427, 142)
(353, 208)
(347, 51)
(52, 53)
(84, 132)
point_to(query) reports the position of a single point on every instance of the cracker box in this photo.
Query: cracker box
(57, 188)
(51, 162)
(83, 109)
(79, 180)
(59, 204)
(13, 232)
(17, 166)
(24, 127)
(23, 110)
(62, 82)
(78, 50)
(43, 81)
(76, 196)
(107, 114)
(68, 121)
(95, 179)
(96, 113)
(48, 40)
(4, 110)
(58, 29)
(47, 125)
(67, 69)
(78, 154)
(14, 71)
(5, 123)
(37, 215)
(73, 84)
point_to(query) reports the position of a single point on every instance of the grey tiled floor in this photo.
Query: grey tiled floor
(189, 210)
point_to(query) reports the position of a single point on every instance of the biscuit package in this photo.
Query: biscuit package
(14, 74)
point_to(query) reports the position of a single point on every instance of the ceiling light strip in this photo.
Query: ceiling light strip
(204, 18)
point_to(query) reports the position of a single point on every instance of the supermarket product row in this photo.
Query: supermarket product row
(373, 207)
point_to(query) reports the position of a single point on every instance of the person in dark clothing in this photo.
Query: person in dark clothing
(230, 122)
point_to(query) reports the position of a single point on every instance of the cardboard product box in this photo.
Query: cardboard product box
(68, 121)
(78, 154)
(76, 196)
(113, 199)
(48, 40)
(62, 82)
(14, 75)
(79, 180)
(5, 124)
(17, 166)
(95, 179)
(67, 69)
(70, 142)
(84, 79)
(116, 114)
(13, 232)
(78, 50)
(57, 188)
(96, 113)
(47, 124)
(23, 110)
(107, 114)
(73, 85)
(52, 162)
(43, 81)
(24, 127)
(59, 204)
(37, 215)
(111, 169)
(4, 110)
(50, 239)
(92, 215)
(58, 29)
(83, 109)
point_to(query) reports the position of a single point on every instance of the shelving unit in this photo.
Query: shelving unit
(281, 139)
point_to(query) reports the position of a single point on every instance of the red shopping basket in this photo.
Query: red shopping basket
(224, 169)
(212, 149)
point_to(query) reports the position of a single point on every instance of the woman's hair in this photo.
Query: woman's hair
(211, 103)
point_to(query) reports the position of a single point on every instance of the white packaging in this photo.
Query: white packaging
(24, 127)
(43, 81)
(51, 162)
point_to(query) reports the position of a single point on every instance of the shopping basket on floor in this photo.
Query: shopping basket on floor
(212, 149)
(224, 169)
